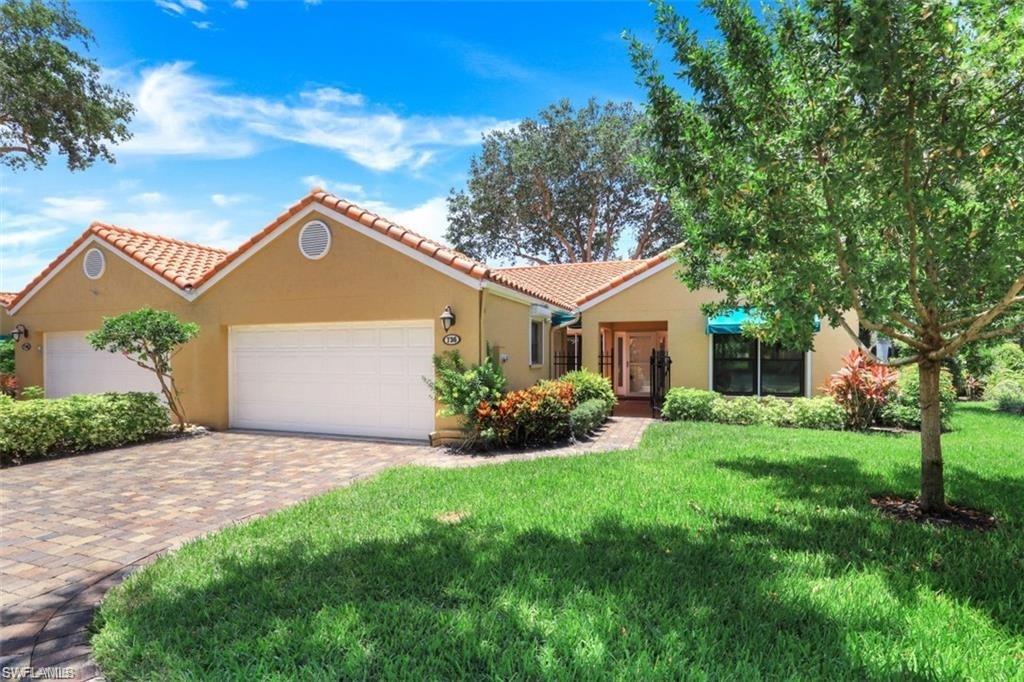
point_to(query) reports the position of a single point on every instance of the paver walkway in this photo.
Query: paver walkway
(73, 528)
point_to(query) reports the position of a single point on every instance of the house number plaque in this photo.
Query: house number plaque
(452, 339)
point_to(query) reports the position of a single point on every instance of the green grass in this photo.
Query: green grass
(709, 552)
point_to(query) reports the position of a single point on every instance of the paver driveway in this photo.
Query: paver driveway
(73, 528)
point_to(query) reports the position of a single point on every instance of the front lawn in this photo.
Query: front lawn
(709, 552)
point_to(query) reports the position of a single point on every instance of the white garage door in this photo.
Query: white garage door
(347, 379)
(70, 365)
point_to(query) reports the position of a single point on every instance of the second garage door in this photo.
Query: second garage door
(70, 365)
(360, 379)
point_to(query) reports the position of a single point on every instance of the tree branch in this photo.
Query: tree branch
(972, 333)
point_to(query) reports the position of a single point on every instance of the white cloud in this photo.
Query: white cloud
(240, 4)
(345, 189)
(312, 2)
(188, 224)
(27, 237)
(203, 25)
(195, 5)
(429, 219)
(75, 210)
(170, 7)
(225, 200)
(179, 112)
(148, 198)
(323, 96)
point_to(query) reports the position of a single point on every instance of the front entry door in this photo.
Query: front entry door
(634, 376)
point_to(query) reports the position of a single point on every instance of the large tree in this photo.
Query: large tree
(51, 95)
(863, 155)
(561, 188)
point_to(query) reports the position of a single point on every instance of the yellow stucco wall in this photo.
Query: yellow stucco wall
(661, 297)
(358, 280)
(507, 330)
(6, 324)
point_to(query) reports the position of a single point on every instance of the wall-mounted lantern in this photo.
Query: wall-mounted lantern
(447, 318)
(20, 332)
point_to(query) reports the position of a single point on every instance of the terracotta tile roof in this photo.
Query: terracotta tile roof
(568, 282)
(180, 263)
(373, 221)
(570, 285)
(188, 265)
(6, 297)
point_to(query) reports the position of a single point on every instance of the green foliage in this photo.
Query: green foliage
(561, 188)
(45, 428)
(1007, 363)
(462, 389)
(150, 338)
(689, 404)
(904, 407)
(743, 411)
(533, 417)
(815, 413)
(587, 385)
(32, 393)
(6, 356)
(587, 416)
(1008, 395)
(52, 96)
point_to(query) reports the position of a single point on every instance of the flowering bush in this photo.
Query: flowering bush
(534, 416)
(862, 387)
(461, 389)
(9, 385)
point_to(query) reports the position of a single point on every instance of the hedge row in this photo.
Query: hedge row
(33, 429)
(693, 404)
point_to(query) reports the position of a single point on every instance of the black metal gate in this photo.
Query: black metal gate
(661, 373)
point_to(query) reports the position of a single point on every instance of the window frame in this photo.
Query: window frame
(758, 363)
(539, 322)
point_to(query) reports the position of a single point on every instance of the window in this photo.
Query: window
(741, 366)
(782, 371)
(536, 342)
(735, 364)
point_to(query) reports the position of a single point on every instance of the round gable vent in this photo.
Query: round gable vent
(94, 263)
(314, 240)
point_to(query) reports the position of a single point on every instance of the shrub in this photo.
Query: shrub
(587, 416)
(1007, 358)
(587, 385)
(535, 416)
(689, 404)
(904, 406)
(744, 411)
(6, 356)
(44, 428)
(862, 387)
(1008, 396)
(32, 393)
(9, 385)
(815, 413)
(461, 389)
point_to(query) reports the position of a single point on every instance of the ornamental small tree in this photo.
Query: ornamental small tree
(863, 155)
(149, 338)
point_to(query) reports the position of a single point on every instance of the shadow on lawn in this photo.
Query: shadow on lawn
(983, 569)
(463, 600)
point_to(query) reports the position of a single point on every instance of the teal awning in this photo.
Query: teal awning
(732, 321)
(559, 317)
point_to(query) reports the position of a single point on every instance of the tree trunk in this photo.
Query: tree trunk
(933, 492)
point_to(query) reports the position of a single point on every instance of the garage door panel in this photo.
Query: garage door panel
(70, 366)
(358, 379)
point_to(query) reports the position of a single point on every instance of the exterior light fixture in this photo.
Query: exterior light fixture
(19, 332)
(447, 318)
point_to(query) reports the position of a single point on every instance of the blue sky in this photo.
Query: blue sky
(243, 106)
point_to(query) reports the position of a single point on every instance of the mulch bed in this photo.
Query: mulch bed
(910, 510)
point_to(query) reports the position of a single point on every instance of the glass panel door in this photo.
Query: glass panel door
(640, 347)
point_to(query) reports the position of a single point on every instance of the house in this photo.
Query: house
(326, 321)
